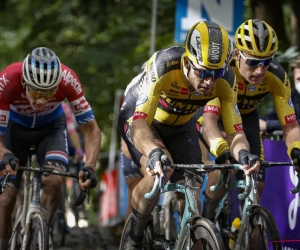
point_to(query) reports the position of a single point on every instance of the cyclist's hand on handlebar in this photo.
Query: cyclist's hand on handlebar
(250, 162)
(225, 158)
(154, 165)
(87, 178)
(296, 158)
(10, 163)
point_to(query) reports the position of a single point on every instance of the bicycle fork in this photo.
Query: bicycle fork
(34, 205)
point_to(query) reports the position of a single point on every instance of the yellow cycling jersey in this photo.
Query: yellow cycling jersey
(162, 93)
(251, 95)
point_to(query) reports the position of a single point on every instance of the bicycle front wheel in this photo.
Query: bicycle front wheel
(260, 231)
(204, 235)
(39, 235)
(148, 243)
(16, 238)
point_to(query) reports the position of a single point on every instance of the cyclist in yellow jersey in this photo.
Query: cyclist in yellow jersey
(257, 74)
(155, 117)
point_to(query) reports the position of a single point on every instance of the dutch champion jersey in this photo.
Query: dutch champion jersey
(15, 106)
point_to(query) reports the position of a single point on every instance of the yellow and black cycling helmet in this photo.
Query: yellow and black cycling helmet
(256, 38)
(208, 44)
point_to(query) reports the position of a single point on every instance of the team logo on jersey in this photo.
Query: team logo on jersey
(236, 108)
(70, 79)
(240, 86)
(174, 85)
(184, 91)
(290, 118)
(252, 88)
(196, 93)
(82, 105)
(139, 115)
(212, 109)
(238, 127)
(3, 118)
(141, 99)
(290, 102)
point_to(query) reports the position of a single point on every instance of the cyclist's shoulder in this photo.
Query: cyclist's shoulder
(276, 71)
(166, 60)
(229, 77)
(12, 70)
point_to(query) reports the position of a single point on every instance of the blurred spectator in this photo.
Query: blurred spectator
(270, 122)
(75, 147)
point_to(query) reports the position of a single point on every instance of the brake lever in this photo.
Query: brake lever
(226, 178)
(4, 182)
(164, 161)
(254, 176)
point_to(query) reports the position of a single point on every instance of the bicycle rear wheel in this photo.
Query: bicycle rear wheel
(204, 235)
(260, 231)
(39, 235)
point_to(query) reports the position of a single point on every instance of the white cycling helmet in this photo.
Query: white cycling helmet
(42, 69)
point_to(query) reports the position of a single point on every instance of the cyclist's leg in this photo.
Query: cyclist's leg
(141, 207)
(52, 152)
(211, 199)
(252, 132)
(18, 144)
(132, 175)
(183, 145)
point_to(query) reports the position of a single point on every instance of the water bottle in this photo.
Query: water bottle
(234, 232)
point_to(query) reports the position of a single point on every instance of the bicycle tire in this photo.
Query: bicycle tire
(59, 225)
(259, 218)
(58, 228)
(75, 192)
(148, 235)
(39, 234)
(16, 238)
(204, 235)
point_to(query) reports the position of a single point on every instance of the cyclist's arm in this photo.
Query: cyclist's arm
(92, 142)
(142, 137)
(285, 110)
(143, 116)
(124, 149)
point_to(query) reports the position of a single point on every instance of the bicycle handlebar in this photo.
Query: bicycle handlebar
(247, 191)
(204, 168)
(46, 171)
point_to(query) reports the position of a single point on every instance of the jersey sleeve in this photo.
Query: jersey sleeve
(9, 78)
(281, 90)
(227, 101)
(149, 92)
(81, 108)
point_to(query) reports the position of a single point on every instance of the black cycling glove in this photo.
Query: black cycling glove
(154, 156)
(295, 154)
(223, 157)
(245, 158)
(89, 174)
(9, 159)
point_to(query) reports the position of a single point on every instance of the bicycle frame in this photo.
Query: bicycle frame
(191, 208)
(31, 204)
(250, 198)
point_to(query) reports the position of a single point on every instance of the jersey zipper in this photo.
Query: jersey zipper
(34, 118)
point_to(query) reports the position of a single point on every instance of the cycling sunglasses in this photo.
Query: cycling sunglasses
(254, 62)
(36, 94)
(205, 73)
